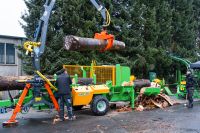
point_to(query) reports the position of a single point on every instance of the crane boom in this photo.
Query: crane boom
(38, 45)
(100, 8)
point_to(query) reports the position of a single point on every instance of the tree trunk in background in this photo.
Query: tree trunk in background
(75, 43)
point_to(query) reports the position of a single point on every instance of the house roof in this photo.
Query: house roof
(12, 37)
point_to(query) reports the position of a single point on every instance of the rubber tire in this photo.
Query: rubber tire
(79, 107)
(94, 103)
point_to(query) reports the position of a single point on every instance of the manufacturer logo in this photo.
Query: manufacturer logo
(83, 93)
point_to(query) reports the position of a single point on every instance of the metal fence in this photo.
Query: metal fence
(103, 73)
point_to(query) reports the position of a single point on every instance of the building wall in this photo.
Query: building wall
(11, 69)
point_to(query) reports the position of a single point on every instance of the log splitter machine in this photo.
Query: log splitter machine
(36, 49)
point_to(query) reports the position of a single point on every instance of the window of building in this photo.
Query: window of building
(2, 54)
(7, 53)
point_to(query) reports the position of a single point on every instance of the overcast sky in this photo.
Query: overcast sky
(10, 12)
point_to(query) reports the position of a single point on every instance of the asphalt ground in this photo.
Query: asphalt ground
(174, 119)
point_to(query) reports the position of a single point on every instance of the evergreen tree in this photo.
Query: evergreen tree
(196, 9)
(149, 28)
(184, 28)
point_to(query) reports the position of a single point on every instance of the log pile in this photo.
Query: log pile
(159, 101)
(144, 102)
(148, 103)
(75, 43)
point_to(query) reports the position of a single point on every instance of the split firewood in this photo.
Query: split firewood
(151, 102)
(124, 109)
(75, 43)
(165, 104)
(167, 98)
(157, 104)
(125, 83)
(139, 108)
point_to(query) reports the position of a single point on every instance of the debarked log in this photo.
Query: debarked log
(75, 43)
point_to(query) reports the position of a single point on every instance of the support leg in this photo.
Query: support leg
(12, 121)
(56, 106)
(132, 97)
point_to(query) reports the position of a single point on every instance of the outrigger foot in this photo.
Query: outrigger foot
(10, 124)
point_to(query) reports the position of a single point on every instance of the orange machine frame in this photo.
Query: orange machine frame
(17, 109)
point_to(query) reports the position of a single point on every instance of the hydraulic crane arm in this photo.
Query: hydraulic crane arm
(38, 45)
(41, 31)
(100, 8)
(104, 12)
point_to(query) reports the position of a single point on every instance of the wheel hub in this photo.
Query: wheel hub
(101, 106)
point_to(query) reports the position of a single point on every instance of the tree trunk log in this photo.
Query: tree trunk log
(10, 83)
(139, 83)
(75, 43)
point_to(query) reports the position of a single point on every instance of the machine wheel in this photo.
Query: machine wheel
(79, 107)
(99, 105)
